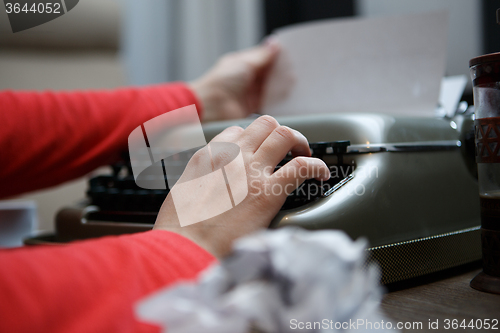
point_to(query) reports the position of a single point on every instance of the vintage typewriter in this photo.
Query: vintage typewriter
(407, 184)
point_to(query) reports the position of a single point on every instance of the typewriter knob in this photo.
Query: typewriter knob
(319, 148)
(340, 147)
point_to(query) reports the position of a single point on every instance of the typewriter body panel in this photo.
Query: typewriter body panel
(403, 183)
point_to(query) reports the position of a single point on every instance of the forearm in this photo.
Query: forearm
(48, 138)
(91, 286)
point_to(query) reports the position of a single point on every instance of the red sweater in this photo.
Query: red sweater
(91, 286)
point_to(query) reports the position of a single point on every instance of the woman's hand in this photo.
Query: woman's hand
(233, 88)
(263, 145)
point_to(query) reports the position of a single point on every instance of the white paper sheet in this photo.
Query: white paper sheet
(452, 89)
(391, 65)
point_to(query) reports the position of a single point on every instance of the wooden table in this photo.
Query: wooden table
(442, 296)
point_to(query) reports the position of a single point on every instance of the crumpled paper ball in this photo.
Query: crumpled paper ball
(284, 280)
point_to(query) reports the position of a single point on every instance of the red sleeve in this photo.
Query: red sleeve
(48, 138)
(92, 286)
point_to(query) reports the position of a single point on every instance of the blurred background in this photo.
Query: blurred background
(111, 43)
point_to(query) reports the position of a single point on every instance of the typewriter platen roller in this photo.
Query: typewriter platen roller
(406, 184)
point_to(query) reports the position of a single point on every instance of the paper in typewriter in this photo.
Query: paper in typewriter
(388, 65)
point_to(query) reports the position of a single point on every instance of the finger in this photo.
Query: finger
(282, 140)
(261, 56)
(273, 43)
(261, 70)
(295, 172)
(230, 134)
(258, 131)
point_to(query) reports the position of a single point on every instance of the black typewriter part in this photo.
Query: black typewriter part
(311, 190)
(119, 199)
(118, 192)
